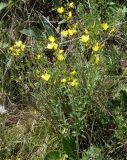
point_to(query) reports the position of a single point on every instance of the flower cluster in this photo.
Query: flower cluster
(71, 80)
(87, 40)
(52, 45)
(105, 26)
(96, 47)
(17, 49)
(57, 52)
(68, 33)
(45, 77)
(68, 13)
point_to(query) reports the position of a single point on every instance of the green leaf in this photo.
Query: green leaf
(3, 45)
(56, 2)
(28, 32)
(53, 155)
(2, 5)
(69, 147)
(92, 153)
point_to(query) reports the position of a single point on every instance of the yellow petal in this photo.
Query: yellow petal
(63, 80)
(84, 38)
(50, 46)
(70, 15)
(60, 10)
(73, 73)
(60, 57)
(96, 47)
(74, 83)
(46, 76)
(104, 26)
(55, 46)
(64, 33)
(51, 39)
(18, 43)
(71, 4)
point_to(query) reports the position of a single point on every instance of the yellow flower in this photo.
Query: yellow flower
(60, 10)
(18, 43)
(84, 38)
(70, 15)
(55, 46)
(22, 47)
(11, 49)
(16, 52)
(96, 47)
(63, 80)
(39, 56)
(52, 46)
(51, 39)
(104, 26)
(61, 51)
(86, 31)
(97, 59)
(60, 57)
(73, 73)
(74, 83)
(46, 76)
(71, 5)
(71, 32)
(74, 31)
(17, 49)
(64, 33)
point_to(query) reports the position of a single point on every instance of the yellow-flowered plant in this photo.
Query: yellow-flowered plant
(96, 47)
(64, 80)
(61, 51)
(64, 33)
(105, 26)
(72, 31)
(39, 56)
(73, 73)
(86, 32)
(52, 39)
(60, 10)
(60, 57)
(71, 5)
(17, 49)
(70, 15)
(45, 77)
(74, 83)
(52, 45)
(84, 38)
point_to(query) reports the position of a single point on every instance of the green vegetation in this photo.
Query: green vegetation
(63, 80)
